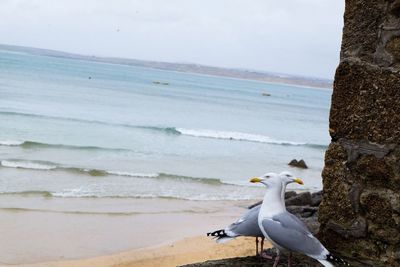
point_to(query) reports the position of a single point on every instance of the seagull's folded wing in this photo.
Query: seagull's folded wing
(247, 225)
(287, 231)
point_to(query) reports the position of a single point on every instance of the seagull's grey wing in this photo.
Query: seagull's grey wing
(296, 222)
(287, 231)
(247, 225)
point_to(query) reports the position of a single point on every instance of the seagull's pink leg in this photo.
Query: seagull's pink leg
(262, 243)
(289, 263)
(263, 253)
(277, 258)
(257, 254)
(266, 256)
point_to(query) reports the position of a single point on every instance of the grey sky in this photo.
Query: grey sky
(287, 36)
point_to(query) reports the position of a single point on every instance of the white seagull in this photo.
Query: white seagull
(247, 225)
(284, 230)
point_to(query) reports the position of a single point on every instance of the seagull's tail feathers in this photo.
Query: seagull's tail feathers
(221, 236)
(332, 260)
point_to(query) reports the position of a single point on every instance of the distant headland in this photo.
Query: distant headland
(183, 67)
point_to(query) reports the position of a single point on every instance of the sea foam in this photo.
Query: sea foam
(27, 165)
(11, 143)
(237, 136)
(131, 174)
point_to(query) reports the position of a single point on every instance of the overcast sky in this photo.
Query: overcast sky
(285, 36)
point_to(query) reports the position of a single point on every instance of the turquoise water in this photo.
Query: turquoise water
(71, 128)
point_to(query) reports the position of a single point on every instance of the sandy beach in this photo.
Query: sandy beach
(47, 231)
(185, 251)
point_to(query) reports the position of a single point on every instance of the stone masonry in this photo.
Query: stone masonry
(360, 211)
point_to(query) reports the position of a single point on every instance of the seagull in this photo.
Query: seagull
(284, 230)
(247, 225)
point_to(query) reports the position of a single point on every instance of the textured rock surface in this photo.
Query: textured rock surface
(255, 262)
(298, 261)
(360, 212)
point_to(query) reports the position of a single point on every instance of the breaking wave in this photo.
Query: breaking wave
(11, 143)
(200, 133)
(210, 134)
(32, 144)
(33, 165)
(50, 166)
(84, 193)
(235, 136)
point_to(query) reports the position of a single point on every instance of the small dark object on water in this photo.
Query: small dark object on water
(89, 77)
(162, 83)
(299, 164)
(266, 94)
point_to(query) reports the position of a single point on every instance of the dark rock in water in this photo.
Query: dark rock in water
(161, 83)
(266, 94)
(299, 199)
(299, 164)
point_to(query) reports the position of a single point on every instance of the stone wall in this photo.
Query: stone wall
(360, 212)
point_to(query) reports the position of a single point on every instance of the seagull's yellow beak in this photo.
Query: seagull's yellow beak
(298, 180)
(255, 180)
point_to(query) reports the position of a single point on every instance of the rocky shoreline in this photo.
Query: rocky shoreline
(305, 206)
(256, 261)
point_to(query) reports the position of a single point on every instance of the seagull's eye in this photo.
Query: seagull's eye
(288, 175)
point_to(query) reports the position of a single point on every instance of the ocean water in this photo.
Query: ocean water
(71, 129)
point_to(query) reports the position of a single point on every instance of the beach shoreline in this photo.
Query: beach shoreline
(44, 230)
(185, 251)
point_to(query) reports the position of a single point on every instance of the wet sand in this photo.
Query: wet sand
(188, 250)
(49, 231)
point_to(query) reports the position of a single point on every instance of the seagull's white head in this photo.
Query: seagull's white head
(267, 179)
(271, 179)
(288, 178)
